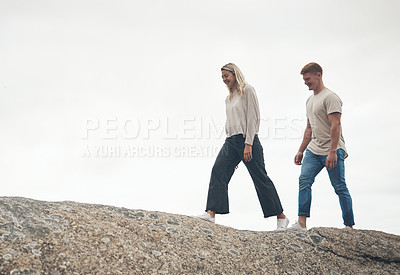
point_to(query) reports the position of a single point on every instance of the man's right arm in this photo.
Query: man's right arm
(306, 140)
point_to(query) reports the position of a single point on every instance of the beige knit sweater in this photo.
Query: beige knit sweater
(243, 114)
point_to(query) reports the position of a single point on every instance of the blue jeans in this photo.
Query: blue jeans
(312, 165)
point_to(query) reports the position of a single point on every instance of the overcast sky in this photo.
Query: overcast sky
(122, 102)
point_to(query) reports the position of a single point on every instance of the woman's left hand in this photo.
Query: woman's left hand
(247, 154)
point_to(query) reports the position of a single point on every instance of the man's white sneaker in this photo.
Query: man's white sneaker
(282, 224)
(297, 227)
(206, 217)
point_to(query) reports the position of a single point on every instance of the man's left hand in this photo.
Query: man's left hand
(331, 160)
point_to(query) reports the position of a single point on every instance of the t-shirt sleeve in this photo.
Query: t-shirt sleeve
(252, 114)
(333, 104)
(308, 99)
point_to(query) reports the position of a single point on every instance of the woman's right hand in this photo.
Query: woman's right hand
(247, 154)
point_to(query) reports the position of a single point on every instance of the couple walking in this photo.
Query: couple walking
(322, 143)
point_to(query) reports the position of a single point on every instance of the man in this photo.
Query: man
(324, 145)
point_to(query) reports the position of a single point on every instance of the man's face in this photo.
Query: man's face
(312, 80)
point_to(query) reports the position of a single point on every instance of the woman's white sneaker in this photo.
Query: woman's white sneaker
(282, 224)
(206, 216)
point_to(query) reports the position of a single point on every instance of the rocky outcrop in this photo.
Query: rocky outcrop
(39, 237)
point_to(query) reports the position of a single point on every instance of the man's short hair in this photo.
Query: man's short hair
(311, 68)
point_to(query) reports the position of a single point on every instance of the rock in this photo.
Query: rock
(39, 237)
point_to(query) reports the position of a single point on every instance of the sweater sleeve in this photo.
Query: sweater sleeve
(252, 114)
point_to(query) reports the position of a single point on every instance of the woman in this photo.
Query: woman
(242, 144)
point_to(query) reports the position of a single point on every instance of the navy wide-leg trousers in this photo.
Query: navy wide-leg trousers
(228, 158)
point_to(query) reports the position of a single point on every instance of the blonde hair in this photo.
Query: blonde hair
(241, 83)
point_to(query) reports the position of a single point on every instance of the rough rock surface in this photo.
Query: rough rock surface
(39, 237)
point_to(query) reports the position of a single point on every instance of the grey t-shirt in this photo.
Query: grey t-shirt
(318, 107)
(243, 114)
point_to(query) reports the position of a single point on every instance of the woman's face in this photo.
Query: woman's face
(229, 79)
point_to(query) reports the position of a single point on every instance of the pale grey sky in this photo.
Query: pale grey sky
(140, 82)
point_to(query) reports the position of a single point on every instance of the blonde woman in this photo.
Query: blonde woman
(242, 144)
